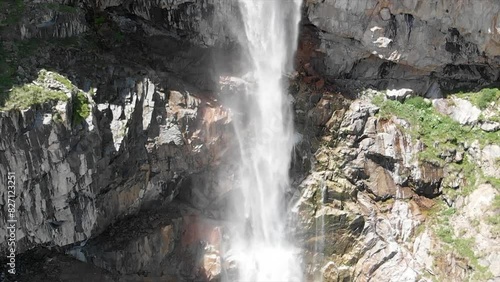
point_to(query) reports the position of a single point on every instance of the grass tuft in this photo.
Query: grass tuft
(483, 98)
(438, 132)
(442, 226)
(494, 219)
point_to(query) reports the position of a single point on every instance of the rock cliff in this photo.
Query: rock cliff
(77, 178)
(129, 170)
(385, 202)
(424, 45)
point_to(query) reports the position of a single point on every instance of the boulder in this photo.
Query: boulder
(399, 94)
(490, 126)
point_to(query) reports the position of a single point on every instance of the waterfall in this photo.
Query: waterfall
(266, 139)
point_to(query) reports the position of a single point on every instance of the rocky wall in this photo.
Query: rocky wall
(407, 44)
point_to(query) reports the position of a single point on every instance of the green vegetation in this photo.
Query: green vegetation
(418, 103)
(57, 117)
(8, 63)
(495, 182)
(63, 80)
(471, 177)
(459, 244)
(99, 20)
(15, 10)
(81, 109)
(43, 75)
(61, 8)
(119, 36)
(22, 97)
(482, 98)
(80, 103)
(419, 229)
(438, 132)
(495, 218)
(18, 54)
(29, 46)
(442, 137)
(445, 142)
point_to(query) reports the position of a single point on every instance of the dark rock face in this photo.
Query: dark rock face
(40, 264)
(155, 128)
(140, 187)
(121, 159)
(407, 44)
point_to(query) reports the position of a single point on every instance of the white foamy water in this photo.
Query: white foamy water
(260, 246)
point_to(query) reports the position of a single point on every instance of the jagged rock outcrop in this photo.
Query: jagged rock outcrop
(205, 23)
(156, 135)
(161, 244)
(380, 157)
(367, 208)
(74, 179)
(52, 20)
(426, 46)
(475, 210)
(347, 235)
(407, 44)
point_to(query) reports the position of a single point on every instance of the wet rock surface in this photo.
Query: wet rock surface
(138, 190)
(348, 234)
(368, 207)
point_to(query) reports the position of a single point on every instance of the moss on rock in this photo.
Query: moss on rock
(25, 96)
(81, 109)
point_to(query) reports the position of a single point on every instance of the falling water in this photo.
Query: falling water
(263, 251)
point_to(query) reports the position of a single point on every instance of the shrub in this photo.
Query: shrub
(486, 96)
(418, 102)
(81, 109)
(99, 20)
(482, 98)
(22, 97)
(63, 80)
(119, 36)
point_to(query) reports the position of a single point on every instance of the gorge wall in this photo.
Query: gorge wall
(408, 43)
(138, 186)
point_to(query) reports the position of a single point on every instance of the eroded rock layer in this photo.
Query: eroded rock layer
(131, 173)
